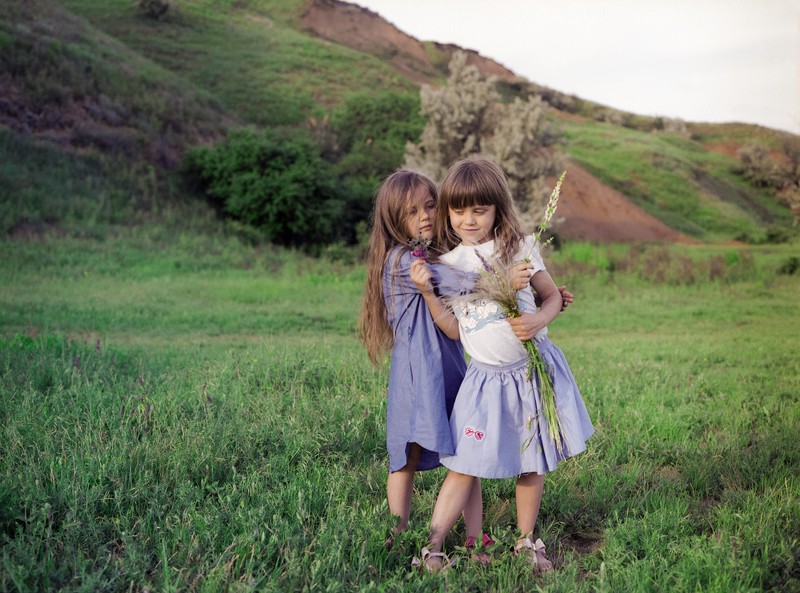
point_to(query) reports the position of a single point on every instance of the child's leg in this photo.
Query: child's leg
(399, 487)
(473, 512)
(529, 498)
(450, 503)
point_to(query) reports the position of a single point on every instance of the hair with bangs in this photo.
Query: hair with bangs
(478, 181)
(389, 218)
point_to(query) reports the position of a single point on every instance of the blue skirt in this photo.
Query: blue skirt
(498, 412)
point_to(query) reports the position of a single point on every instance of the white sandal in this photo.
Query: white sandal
(536, 552)
(426, 554)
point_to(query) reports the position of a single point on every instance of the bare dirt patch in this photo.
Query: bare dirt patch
(728, 148)
(365, 31)
(596, 212)
(583, 542)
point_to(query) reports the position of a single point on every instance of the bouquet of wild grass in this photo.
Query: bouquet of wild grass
(494, 284)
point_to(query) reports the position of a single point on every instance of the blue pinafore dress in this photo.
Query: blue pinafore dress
(427, 367)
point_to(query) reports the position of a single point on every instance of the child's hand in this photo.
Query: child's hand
(526, 325)
(421, 276)
(520, 275)
(566, 297)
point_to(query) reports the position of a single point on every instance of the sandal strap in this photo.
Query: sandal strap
(537, 546)
(425, 555)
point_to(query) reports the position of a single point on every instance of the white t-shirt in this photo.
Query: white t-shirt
(482, 325)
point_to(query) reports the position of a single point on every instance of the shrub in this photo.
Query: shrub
(153, 9)
(280, 186)
(467, 117)
(790, 266)
(756, 166)
(372, 131)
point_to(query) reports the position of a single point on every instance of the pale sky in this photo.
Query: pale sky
(697, 60)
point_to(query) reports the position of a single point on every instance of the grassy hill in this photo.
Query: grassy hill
(678, 180)
(109, 100)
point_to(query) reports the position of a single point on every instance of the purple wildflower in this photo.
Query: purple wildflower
(420, 247)
(486, 265)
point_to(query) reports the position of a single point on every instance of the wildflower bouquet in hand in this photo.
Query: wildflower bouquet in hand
(495, 284)
(420, 247)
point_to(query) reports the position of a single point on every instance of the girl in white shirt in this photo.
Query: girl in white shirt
(497, 423)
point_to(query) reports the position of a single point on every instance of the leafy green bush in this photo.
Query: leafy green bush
(281, 186)
(372, 131)
(790, 266)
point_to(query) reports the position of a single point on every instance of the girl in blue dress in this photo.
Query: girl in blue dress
(497, 424)
(427, 366)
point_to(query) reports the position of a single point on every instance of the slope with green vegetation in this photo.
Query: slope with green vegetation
(678, 180)
(89, 124)
(249, 54)
(126, 96)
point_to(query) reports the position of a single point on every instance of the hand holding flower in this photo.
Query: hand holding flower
(443, 315)
(527, 325)
(421, 276)
(520, 275)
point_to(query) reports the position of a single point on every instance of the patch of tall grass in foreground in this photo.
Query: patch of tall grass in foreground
(181, 414)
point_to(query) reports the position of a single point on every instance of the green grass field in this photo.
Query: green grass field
(184, 413)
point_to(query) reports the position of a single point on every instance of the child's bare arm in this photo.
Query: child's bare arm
(566, 298)
(441, 313)
(521, 276)
(527, 325)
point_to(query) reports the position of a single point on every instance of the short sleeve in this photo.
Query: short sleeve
(397, 273)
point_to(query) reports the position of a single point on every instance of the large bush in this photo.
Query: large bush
(280, 186)
(466, 116)
(372, 131)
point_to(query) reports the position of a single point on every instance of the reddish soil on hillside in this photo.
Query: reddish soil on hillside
(365, 31)
(729, 148)
(592, 211)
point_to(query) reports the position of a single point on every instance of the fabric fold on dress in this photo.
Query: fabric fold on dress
(426, 366)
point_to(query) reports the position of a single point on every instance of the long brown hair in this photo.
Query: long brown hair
(478, 181)
(389, 216)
